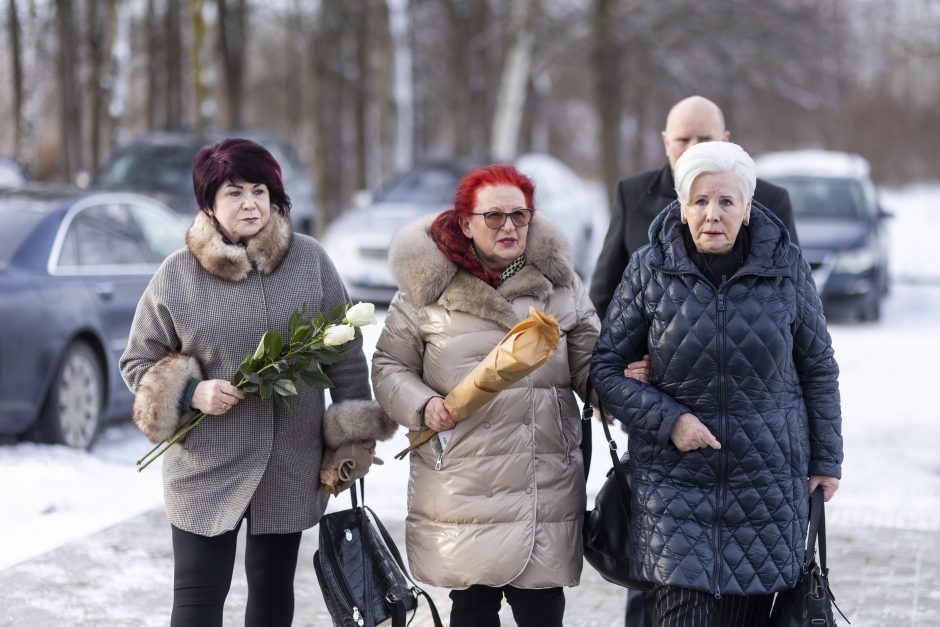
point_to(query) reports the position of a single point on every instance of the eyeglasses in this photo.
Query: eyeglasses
(496, 219)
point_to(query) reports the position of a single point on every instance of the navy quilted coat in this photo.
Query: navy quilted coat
(753, 361)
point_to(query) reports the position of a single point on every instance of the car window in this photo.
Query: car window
(104, 235)
(164, 233)
(421, 185)
(826, 197)
(166, 168)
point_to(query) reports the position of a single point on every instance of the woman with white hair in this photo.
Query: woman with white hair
(740, 420)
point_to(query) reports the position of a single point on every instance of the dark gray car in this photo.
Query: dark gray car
(841, 226)
(73, 266)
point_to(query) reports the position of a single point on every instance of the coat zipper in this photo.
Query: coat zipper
(561, 426)
(343, 585)
(722, 457)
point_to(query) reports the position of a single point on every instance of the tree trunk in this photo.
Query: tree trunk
(608, 97)
(200, 92)
(155, 66)
(173, 48)
(362, 94)
(232, 52)
(97, 39)
(512, 91)
(400, 28)
(16, 70)
(326, 50)
(71, 112)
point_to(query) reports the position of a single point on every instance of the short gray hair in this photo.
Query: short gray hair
(712, 157)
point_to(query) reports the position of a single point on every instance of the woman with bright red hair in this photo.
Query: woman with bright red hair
(495, 502)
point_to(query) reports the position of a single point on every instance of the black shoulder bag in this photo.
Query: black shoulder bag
(810, 603)
(606, 530)
(360, 571)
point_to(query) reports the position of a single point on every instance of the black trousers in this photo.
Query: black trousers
(202, 576)
(639, 608)
(478, 606)
(682, 607)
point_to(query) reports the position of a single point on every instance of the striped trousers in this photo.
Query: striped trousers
(683, 607)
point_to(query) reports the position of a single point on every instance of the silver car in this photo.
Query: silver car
(358, 241)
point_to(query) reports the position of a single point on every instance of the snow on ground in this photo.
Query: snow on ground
(891, 477)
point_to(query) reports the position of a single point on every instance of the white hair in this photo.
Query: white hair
(710, 158)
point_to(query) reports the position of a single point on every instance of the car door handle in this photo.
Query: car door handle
(104, 290)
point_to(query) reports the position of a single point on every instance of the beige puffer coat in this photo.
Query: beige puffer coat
(503, 504)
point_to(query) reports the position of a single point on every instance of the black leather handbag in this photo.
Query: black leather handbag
(810, 603)
(360, 571)
(606, 530)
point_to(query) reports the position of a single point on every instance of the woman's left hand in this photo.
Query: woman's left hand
(639, 370)
(829, 486)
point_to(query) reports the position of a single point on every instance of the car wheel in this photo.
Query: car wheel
(872, 310)
(72, 411)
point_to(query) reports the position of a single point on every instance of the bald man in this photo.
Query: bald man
(639, 198)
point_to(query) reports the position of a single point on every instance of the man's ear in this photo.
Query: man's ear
(727, 136)
(662, 135)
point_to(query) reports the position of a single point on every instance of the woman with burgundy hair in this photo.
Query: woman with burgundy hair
(242, 273)
(495, 502)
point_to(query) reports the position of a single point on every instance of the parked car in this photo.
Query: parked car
(160, 164)
(358, 240)
(11, 174)
(841, 226)
(73, 265)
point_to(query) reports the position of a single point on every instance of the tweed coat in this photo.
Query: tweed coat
(206, 306)
(503, 504)
(638, 200)
(752, 359)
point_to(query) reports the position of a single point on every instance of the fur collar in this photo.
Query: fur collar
(425, 275)
(232, 262)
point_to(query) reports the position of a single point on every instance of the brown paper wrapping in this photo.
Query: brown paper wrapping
(527, 346)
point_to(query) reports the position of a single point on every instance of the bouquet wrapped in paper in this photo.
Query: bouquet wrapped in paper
(527, 346)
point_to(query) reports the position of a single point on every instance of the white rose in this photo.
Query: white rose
(338, 334)
(360, 315)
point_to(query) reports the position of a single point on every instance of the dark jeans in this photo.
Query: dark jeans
(203, 574)
(478, 606)
(682, 607)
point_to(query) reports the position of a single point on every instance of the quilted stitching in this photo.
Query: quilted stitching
(779, 418)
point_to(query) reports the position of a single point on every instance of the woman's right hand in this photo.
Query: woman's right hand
(689, 434)
(639, 370)
(436, 417)
(215, 397)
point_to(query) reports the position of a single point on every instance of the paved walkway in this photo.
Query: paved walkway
(122, 576)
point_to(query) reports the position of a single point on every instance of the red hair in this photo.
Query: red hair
(446, 231)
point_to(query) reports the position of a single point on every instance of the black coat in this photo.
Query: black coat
(754, 362)
(639, 199)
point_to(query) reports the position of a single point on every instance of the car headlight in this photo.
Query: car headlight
(856, 260)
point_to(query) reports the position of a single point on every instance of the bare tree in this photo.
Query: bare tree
(173, 55)
(515, 79)
(399, 28)
(231, 26)
(69, 98)
(608, 97)
(16, 70)
(100, 30)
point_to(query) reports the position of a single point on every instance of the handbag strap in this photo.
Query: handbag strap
(817, 530)
(365, 538)
(619, 470)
